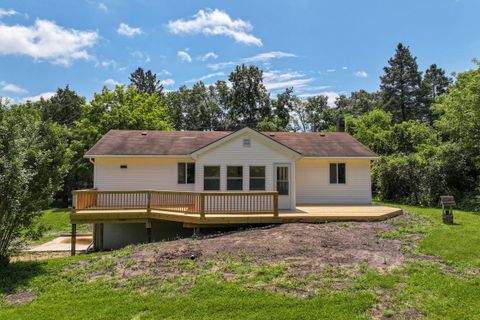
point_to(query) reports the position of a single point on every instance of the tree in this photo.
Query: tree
(63, 108)
(121, 108)
(401, 85)
(34, 158)
(319, 115)
(299, 115)
(361, 102)
(249, 100)
(146, 82)
(434, 84)
(282, 107)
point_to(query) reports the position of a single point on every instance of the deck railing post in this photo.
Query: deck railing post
(73, 240)
(275, 205)
(202, 205)
(149, 200)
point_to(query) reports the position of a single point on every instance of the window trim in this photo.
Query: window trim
(336, 173)
(234, 178)
(257, 178)
(289, 177)
(213, 178)
(186, 163)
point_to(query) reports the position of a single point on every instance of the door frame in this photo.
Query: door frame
(290, 190)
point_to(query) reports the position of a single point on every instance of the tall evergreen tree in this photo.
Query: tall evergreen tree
(146, 82)
(434, 84)
(401, 85)
(249, 99)
(63, 108)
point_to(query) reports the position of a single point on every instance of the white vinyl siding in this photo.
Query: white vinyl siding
(141, 173)
(313, 182)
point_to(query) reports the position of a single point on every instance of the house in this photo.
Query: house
(216, 178)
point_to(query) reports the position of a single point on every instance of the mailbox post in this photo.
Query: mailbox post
(447, 202)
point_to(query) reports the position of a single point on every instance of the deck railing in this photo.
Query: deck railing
(179, 201)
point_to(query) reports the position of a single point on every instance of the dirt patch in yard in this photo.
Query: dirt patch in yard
(20, 298)
(305, 247)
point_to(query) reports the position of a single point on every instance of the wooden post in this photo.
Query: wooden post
(148, 226)
(149, 199)
(202, 205)
(100, 236)
(73, 240)
(275, 205)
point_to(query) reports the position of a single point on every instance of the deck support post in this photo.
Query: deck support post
(196, 232)
(98, 237)
(275, 205)
(73, 240)
(148, 228)
(202, 205)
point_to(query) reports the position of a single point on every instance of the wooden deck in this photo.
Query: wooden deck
(306, 213)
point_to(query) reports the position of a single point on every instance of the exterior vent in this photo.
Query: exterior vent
(247, 143)
(123, 166)
(144, 133)
(322, 134)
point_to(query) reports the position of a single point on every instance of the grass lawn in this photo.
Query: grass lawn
(441, 281)
(57, 222)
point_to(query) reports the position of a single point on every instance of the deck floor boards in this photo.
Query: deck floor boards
(303, 213)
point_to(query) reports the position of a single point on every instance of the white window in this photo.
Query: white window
(185, 172)
(337, 173)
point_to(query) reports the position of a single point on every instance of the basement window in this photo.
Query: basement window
(185, 172)
(337, 173)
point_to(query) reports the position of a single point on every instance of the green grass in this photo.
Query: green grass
(444, 287)
(56, 222)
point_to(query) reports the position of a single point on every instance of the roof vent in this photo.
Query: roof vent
(322, 134)
(272, 134)
(144, 133)
(247, 143)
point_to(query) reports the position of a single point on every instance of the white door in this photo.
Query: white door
(283, 185)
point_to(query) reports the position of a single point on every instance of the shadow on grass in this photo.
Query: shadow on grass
(18, 274)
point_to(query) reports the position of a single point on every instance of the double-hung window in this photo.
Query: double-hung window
(337, 173)
(185, 172)
(211, 178)
(257, 178)
(234, 178)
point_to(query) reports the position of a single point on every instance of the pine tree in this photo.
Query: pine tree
(146, 82)
(434, 84)
(401, 85)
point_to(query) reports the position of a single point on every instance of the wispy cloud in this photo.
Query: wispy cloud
(106, 63)
(12, 88)
(139, 55)
(209, 55)
(275, 80)
(111, 82)
(361, 74)
(331, 70)
(7, 12)
(125, 30)
(164, 72)
(184, 56)
(102, 7)
(167, 82)
(261, 57)
(214, 23)
(43, 95)
(344, 68)
(208, 76)
(46, 40)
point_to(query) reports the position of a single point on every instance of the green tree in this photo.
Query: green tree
(319, 115)
(282, 107)
(34, 158)
(146, 82)
(121, 108)
(249, 101)
(434, 84)
(401, 85)
(63, 108)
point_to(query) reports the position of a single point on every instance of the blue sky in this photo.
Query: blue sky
(318, 47)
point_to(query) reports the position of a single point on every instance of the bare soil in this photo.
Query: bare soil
(20, 298)
(307, 248)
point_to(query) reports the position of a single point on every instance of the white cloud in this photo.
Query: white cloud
(274, 80)
(106, 63)
(12, 88)
(103, 7)
(167, 82)
(125, 30)
(208, 76)
(139, 55)
(210, 55)
(46, 40)
(266, 56)
(111, 82)
(331, 70)
(361, 74)
(262, 57)
(344, 68)
(7, 12)
(331, 95)
(216, 22)
(164, 72)
(44, 95)
(184, 56)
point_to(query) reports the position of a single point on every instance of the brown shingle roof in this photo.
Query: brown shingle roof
(308, 144)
